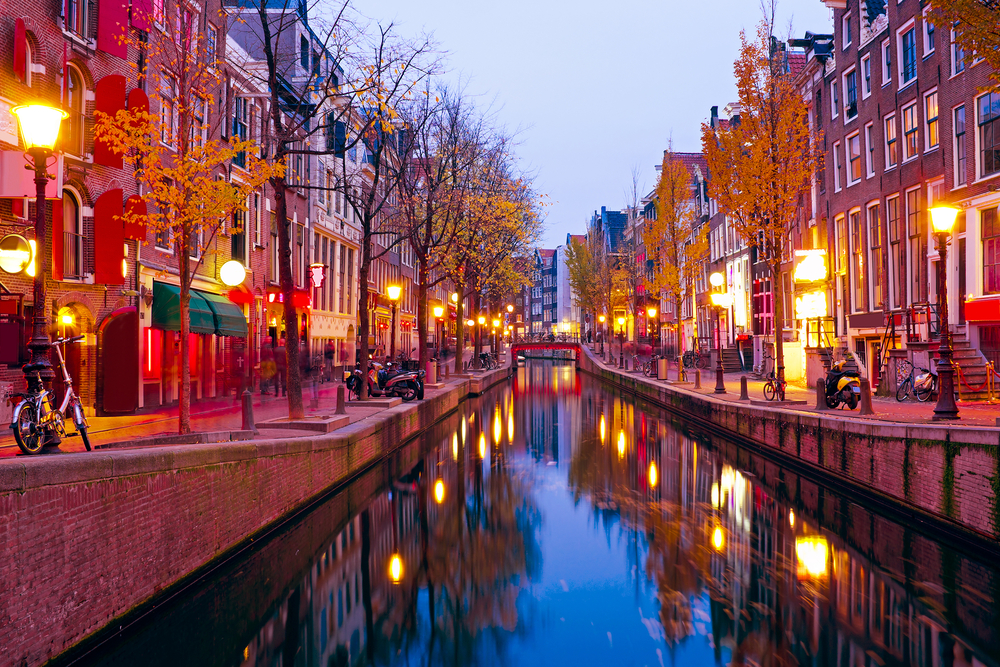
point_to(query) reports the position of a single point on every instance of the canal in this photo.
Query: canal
(554, 521)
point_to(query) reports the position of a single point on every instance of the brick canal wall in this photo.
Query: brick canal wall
(948, 475)
(86, 538)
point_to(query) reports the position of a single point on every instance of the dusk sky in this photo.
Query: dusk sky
(595, 88)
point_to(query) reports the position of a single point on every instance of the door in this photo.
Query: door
(118, 362)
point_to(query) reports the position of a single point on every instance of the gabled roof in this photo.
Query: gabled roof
(544, 252)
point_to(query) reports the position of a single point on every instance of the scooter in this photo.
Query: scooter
(842, 387)
(407, 386)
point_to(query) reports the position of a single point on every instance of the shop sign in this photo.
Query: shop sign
(317, 272)
(15, 253)
(810, 265)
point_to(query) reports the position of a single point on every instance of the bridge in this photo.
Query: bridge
(545, 343)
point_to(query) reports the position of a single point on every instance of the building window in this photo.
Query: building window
(76, 16)
(931, 120)
(73, 128)
(891, 144)
(858, 265)
(304, 52)
(167, 111)
(211, 44)
(238, 237)
(886, 63)
(850, 95)
(841, 228)
(866, 76)
(991, 251)
(960, 163)
(846, 31)
(876, 262)
(869, 151)
(908, 55)
(834, 100)
(854, 158)
(957, 55)
(928, 34)
(241, 125)
(910, 131)
(918, 244)
(199, 126)
(72, 237)
(836, 167)
(988, 111)
(893, 223)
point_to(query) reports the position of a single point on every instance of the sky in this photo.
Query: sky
(594, 89)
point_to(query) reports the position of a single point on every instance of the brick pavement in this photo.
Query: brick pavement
(971, 413)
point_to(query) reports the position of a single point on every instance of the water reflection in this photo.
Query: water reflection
(555, 522)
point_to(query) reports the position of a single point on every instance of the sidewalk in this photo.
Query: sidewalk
(971, 413)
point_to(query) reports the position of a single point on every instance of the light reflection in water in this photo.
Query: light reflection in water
(549, 548)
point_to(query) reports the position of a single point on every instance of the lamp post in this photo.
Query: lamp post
(720, 301)
(394, 292)
(651, 314)
(496, 341)
(39, 125)
(439, 315)
(943, 219)
(602, 319)
(621, 342)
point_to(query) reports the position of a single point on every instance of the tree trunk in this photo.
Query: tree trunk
(293, 376)
(679, 329)
(363, 322)
(422, 323)
(779, 316)
(459, 329)
(184, 422)
(478, 344)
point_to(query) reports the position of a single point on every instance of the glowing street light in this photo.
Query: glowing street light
(232, 273)
(394, 292)
(439, 491)
(439, 316)
(943, 219)
(720, 301)
(510, 308)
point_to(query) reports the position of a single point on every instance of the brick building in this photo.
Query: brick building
(906, 127)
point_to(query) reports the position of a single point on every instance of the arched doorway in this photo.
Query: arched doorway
(118, 352)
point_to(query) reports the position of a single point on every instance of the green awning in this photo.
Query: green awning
(229, 319)
(166, 313)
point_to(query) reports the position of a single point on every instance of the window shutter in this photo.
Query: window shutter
(112, 27)
(20, 50)
(138, 100)
(141, 11)
(109, 238)
(226, 115)
(135, 227)
(109, 98)
(57, 239)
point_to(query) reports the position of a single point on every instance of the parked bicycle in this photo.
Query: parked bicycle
(774, 388)
(35, 421)
(649, 368)
(487, 360)
(699, 358)
(922, 384)
(765, 368)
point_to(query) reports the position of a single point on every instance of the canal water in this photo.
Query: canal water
(555, 521)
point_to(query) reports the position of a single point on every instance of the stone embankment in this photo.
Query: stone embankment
(87, 538)
(945, 475)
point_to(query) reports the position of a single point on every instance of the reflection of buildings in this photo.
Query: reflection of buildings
(551, 408)
(763, 583)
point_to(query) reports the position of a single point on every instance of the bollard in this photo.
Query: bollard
(248, 420)
(866, 397)
(314, 403)
(341, 400)
(744, 395)
(446, 373)
(697, 378)
(821, 395)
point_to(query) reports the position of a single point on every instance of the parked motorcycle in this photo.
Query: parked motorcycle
(842, 387)
(405, 385)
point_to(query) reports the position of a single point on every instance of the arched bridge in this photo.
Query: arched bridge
(545, 343)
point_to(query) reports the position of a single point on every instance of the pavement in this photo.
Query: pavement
(971, 413)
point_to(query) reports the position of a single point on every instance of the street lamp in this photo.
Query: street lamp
(621, 342)
(39, 126)
(394, 292)
(439, 314)
(651, 313)
(720, 301)
(602, 319)
(943, 219)
(496, 341)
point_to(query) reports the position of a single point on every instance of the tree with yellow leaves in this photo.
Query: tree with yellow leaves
(181, 163)
(676, 243)
(977, 30)
(760, 166)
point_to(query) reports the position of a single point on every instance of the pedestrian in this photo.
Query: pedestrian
(267, 366)
(281, 369)
(328, 356)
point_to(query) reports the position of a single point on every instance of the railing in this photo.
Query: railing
(72, 255)
(546, 338)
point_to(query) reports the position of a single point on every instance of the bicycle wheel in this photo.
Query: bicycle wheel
(924, 392)
(769, 391)
(781, 392)
(702, 361)
(84, 436)
(28, 438)
(903, 392)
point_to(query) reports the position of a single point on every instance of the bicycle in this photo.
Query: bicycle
(697, 358)
(774, 388)
(923, 385)
(764, 368)
(35, 421)
(649, 368)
